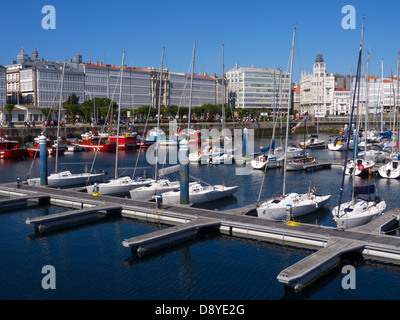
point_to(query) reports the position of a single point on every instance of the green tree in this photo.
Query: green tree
(9, 108)
(72, 99)
(72, 111)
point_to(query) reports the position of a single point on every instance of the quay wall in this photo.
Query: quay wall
(263, 128)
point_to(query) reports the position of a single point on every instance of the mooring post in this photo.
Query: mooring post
(184, 171)
(43, 160)
(244, 141)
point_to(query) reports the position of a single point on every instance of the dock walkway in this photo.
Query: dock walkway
(368, 238)
(168, 236)
(311, 267)
(70, 217)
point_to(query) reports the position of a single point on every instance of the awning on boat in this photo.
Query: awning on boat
(364, 190)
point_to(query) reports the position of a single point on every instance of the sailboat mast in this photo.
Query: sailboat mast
(382, 95)
(366, 104)
(223, 90)
(59, 116)
(396, 101)
(191, 91)
(351, 117)
(159, 113)
(288, 113)
(119, 116)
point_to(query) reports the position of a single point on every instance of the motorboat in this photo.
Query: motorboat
(10, 149)
(34, 148)
(340, 144)
(267, 160)
(300, 163)
(312, 143)
(93, 141)
(126, 140)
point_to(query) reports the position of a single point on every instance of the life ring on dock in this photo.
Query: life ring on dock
(361, 167)
(199, 152)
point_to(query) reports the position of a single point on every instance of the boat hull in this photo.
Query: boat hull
(119, 187)
(154, 189)
(276, 209)
(14, 153)
(95, 147)
(211, 195)
(359, 214)
(389, 172)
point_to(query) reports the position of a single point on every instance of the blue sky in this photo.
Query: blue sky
(253, 31)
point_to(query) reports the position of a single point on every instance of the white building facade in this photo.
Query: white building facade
(3, 86)
(258, 88)
(317, 90)
(341, 102)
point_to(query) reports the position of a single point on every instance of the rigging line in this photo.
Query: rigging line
(44, 126)
(105, 122)
(140, 146)
(184, 91)
(351, 117)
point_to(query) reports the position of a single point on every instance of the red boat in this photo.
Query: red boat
(9, 149)
(94, 142)
(143, 143)
(126, 141)
(34, 151)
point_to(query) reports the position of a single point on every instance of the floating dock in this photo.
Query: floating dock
(166, 237)
(328, 242)
(312, 267)
(70, 217)
(22, 201)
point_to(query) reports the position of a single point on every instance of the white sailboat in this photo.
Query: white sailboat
(119, 185)
(200, 194)
(358, 211)
(158, 185)
(359, 167)
(299, 204)
(391, 170)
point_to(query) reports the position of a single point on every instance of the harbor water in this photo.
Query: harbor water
(91, 263)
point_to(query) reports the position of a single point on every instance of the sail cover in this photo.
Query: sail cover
(364, 190)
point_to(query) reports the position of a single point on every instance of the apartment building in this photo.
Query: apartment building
(258, 88)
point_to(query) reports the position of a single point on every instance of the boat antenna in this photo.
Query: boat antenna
(351, 114)
(288, 113)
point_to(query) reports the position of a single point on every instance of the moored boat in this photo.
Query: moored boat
(9, 149)
(94, 142)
